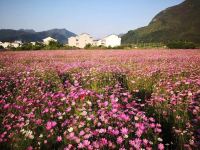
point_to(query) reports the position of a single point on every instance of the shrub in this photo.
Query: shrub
(25, 46)
(53, 45)
(1, 47)
(88, 46)
(181, 45)
(38, 46)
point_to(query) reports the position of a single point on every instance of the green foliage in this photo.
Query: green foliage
(1, 47)
(30, 46)
(38, 46)
(67, 47)
(88, 46)
(181, 45)
(53, 45)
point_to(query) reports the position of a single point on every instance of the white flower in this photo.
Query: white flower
(60, 117)
(22, 131)
(151, 142)
(41, 136)
(88, 119)
(70, 129)
(189, 93)
(133, 81)
(160, 139)
(136, 118)
(27, 122)
(63, 99)
(125, 136)
(84, 113)
(89, 103)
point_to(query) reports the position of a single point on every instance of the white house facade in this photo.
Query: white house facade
(80, 41)
(16, 44)
(73, 41)
(47, 40)
(111, 41)
(98, 43)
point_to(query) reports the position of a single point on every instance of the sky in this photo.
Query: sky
(96, 17)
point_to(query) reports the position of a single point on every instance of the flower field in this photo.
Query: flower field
(141, 99)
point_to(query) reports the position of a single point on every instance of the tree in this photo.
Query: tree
(1, 47)
(38, 46)
(181, 45)
(88, 46)
(54, 45)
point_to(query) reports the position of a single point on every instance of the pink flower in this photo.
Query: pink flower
(139, 133)
(135, 143)
(59, 139)
(124, 117)
(161, 147)
(80, 146)
(50, 125)
(6, 106)
(39, 121)
(152, 125)
(96, 145)
(104, 141)
(124, 131)
(119, 140)
(115, 132)
(86, 143)
(81, 133)
(145, 141)
(30, 148)
(102, 130)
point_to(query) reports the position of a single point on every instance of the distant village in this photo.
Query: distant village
(80, 41)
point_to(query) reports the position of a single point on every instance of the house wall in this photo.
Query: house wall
(83, 40)
(48, 40)
(98, 43)
(80, 41)
(112, 41)
(72, 41)
(15, 45)
(6, 44)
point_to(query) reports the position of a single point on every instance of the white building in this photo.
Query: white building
(6, 44)
(98, 43)
(111, 41)
(80, 41)
(73, 41)
(33, 43)
(16, 44)
(47, 40)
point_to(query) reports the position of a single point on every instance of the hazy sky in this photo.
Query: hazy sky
(97, 17)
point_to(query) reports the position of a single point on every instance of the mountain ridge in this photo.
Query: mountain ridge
(30, 35)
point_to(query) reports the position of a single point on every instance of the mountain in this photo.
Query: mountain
(31, 36)
(180, 22)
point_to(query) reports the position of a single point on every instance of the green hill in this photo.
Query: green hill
(180, 22)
